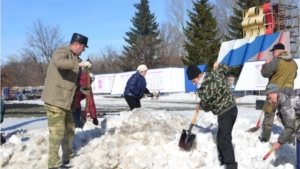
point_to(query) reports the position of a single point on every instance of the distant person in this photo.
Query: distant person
(3, 140)
(282, 71)
(61, 84)
(6, 93)
(136, 87)
(216, 97)
(82, 95)
(18, 93)
(288, 103)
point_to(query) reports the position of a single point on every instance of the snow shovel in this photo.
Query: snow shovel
(254, 129)
(187, 137)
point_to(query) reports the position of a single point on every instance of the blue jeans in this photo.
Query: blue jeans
(76, 117)
(298, 155)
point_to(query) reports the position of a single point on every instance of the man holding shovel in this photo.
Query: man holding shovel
(216, 97)
(282, 71)
(287, 101)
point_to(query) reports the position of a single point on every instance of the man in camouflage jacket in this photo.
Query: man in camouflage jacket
(282, 71)
(287, 101)
(216, 97)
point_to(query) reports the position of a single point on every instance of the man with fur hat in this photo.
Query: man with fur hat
(216, 97)
(61, 84)
(282, 71)
(136, 87)
(287, 101)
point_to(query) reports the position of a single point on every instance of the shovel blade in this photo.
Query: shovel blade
(186, 140)
(253, 129)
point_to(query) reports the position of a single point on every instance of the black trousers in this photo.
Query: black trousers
(133, 102)
(224, 137)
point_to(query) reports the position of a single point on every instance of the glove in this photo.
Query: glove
(88, 65)
(95, 121)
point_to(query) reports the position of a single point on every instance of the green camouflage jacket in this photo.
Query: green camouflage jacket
(214, 93)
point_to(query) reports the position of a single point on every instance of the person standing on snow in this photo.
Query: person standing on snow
(61, 84)
(282, 71)
(216, 97)
(136, 88)
(3, 140)
(80, 96)
(288, 103)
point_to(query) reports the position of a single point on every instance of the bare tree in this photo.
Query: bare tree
(24, 72)
(172, 39)
(222, 10)
(176, 12)
(106, 62)
(172, 31)
(41, 43)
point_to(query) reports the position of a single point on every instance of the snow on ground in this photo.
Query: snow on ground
(146, 138)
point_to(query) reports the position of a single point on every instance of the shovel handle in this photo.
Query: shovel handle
(268, 154)
(258, 121)
(195, 116)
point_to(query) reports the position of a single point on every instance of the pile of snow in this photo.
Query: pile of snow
(147, 138)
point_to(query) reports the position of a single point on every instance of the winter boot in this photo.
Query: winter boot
(265, 135)
(3, 140)
(61, 167)
(232, 166)
(67, 161)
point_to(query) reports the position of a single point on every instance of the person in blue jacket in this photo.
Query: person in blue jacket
(136, 87)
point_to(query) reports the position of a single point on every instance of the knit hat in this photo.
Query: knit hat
(272, 88)
(279, 46)
(142, 68)
(193, 71)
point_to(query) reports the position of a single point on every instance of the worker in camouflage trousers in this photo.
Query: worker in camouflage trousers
(287, 101)
(282, 71)
(61, 84)
(216, 97)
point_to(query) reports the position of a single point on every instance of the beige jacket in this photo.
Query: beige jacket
(62, 79)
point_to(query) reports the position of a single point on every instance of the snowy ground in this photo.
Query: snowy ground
(146, 138)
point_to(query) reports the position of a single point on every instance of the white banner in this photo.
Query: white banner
(251, 78)
(103, 83)
(164, 80)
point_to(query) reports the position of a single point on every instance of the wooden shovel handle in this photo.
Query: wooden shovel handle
(195, 116)
(258, 121)
(87, 97)
(268, 154)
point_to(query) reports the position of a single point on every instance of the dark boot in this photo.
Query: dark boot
(265, 135)
(61, 167)
(232, 166)
(3, 140)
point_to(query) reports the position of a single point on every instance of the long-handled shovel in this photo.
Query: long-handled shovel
(268, 154)
(253, 129)
(187, 137)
